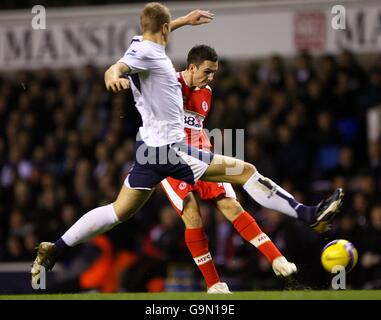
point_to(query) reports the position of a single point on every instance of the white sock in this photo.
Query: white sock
(269, 195)
(94, 222)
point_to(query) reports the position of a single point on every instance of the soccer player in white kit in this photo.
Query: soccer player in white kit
(162, 151)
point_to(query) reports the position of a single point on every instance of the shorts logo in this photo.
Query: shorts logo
(182, 186)
(204, 106)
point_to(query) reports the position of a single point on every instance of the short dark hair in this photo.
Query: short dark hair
(200, 53)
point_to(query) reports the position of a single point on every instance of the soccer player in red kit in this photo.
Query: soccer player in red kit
(202, 64)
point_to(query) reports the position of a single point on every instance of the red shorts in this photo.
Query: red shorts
(177, 190)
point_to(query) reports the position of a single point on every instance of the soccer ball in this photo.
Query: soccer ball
(339, 253)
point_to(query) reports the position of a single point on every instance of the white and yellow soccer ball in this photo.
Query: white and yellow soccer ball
(339, 253)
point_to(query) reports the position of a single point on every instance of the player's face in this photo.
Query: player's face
(204, 73)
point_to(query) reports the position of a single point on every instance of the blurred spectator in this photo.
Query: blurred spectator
(370, 254)
(164, 244)
(273, 74)
(303, 70)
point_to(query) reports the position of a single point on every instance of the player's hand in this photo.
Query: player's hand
(197, 17)
(283, 268)
(118, 85)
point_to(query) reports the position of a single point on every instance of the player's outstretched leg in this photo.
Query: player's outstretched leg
(94, 222)
(268, 194)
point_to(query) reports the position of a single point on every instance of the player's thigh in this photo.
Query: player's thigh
(129, 201)
(191, 212)
(228, 169)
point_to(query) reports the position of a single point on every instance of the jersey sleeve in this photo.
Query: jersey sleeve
(135, 57)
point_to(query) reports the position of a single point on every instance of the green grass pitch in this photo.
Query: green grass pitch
(250, 295)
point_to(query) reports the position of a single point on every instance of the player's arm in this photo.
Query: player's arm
(193, 18)
(113, 80)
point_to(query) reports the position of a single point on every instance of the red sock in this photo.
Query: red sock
(197, 244)
(245, 224)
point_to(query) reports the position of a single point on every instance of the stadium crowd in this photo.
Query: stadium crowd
(66, 145)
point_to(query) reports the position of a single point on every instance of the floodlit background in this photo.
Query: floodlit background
(307, 95)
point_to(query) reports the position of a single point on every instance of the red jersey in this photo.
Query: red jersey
(196, 109)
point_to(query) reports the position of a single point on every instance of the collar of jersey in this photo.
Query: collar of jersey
(161, 46)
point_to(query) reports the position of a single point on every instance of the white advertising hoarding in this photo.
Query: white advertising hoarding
(241, 30)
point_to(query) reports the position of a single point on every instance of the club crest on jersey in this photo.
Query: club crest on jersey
(205, 106)
(182, 185)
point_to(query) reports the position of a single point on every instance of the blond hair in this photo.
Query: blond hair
(153, 16)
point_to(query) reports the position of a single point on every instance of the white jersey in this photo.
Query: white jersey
(157, 92)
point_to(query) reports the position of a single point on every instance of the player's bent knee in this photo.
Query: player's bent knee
(191, 213)
(123, 209)
(129, 201)
(230, 208)
(192, 217)
(123, 214)
(249, 169)
(192, 220)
